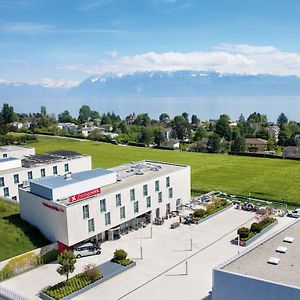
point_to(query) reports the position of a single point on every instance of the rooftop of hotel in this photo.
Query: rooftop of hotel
(254, 263)
(127, 175)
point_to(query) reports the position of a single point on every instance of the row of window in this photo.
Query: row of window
(30, 176)
(91, 223)
(86, 214)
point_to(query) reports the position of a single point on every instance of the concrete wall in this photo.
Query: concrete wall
(236, 287)
(49, 217)
(75, 165)
(17, 152)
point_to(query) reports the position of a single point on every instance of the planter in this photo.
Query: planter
(255, 237)
(214, 214)
(108, 269)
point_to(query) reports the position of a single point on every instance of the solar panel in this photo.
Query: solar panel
(273, 260)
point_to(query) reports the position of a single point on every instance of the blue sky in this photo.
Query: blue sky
(60, 43)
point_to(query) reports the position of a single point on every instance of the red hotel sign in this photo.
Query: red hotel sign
(53, 207)
(85, 195)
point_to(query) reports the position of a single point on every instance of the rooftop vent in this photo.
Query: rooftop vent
(68, 176)
(273, 260)
(288, 239)
(281, 249)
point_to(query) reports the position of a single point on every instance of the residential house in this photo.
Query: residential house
(255, 145)
(170, 144)
(291, 151)
(130, 118)
(274, 131)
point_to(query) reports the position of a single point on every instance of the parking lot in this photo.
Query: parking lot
(162, 271)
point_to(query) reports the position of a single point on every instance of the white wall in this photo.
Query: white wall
(75, 165)
(17, 152)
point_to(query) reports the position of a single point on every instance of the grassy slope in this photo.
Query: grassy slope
(266, 178)
(16, 235)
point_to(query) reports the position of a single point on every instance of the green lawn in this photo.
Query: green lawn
(16, 235)
(266, 178)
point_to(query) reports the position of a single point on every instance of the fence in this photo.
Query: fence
(10, 295)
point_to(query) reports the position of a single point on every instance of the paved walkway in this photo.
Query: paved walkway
(161, 274)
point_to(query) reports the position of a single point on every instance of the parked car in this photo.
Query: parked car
(86, 249)
(294, 213)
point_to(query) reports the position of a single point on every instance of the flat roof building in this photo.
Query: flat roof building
(15, 172)
(102, 204)
(15, 151)
(269, 270)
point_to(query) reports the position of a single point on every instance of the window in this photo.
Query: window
(102, 205)
(157, 186)
(178, 202)
(66, 167)
(136, 207)
(148, 201)
(29, 175)
(14, 198)
(160, 197)
(54, 170)
(122, 212)
(145, 190)
(91, 225)
(4, 155)
(6, 192)
(107, 219)
(170, 192)
(132, 195)
(168, 208)
(118, 200)
(16, 178)
(85, 211)
(168, 182)
(43, 172)
(2, 181)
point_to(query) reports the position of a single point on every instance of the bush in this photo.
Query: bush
(255, 227)
(199, 213)
(243, 232)
(6, 272)
(92, 272)
(49, 256)
(119, 255)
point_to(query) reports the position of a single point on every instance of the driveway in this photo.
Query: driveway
(161, 274)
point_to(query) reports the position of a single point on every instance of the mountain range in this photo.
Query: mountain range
(125, 93)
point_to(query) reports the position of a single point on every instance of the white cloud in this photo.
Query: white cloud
(92, 4)
(45, 82)
(26, 28)
(225, 58)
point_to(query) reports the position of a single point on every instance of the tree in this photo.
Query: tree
(222, 127)
(282, 119)
(94, 115)
(146, 136)
(282, 137)
(186, 116)
(238, 145)
(195, 120)
(182, 127)
(67, 261)
(43, 110)
(65, 117)
(164, 118)
(7, 113)
(262, 133)
(142, 120)
(200, 134)
(84, 113)
(214, 143)
(106, 119)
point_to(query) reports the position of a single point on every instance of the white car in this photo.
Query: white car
(86, 249)
(294, 213)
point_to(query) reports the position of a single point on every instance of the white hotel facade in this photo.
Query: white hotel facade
(18, 165)
(101, 204)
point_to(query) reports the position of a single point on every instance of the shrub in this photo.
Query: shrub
(92, 272)
(49, 256)
(6, 272)
(199, 213)
(256, 227)
(119, 255)
(243, 232)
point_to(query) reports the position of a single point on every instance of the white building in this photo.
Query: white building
(269, 270)
(16, 171)
(15, 151)
(102, 204)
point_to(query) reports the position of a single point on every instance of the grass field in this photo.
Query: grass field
(16, 235)
(266, 178)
